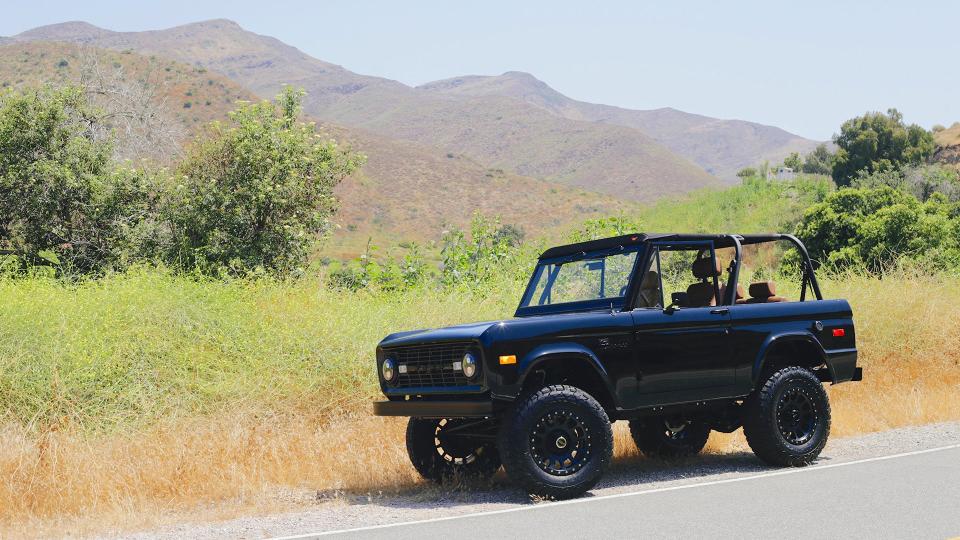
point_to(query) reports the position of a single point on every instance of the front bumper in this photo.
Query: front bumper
(434, 409)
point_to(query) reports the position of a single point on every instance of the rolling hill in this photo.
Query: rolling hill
(500, 132)
(406, 191)
(722, 147)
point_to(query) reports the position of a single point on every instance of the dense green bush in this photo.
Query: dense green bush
(878, 227)
(255, 194)
(62, 201)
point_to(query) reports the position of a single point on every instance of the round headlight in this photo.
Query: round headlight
(388, 369)
(469, 365)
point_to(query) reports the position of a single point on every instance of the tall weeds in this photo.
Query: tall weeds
(143, 394)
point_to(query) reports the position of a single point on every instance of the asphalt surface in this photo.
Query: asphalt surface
(910, 495)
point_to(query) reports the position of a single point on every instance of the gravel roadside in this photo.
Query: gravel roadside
(627, 476)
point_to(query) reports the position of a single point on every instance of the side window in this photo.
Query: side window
(691, 269)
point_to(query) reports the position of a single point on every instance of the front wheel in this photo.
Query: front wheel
(787, 420)
(452, 448)
(558, 442)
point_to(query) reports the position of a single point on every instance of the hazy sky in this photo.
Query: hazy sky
(805, 67)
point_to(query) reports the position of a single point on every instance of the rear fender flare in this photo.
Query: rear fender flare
(805, 338)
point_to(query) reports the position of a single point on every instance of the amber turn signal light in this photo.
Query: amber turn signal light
(508, 359)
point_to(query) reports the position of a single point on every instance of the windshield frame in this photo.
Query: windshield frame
(608, 303)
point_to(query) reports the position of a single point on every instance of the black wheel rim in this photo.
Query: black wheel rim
(560, 443)
(455, 448)
(797, 416)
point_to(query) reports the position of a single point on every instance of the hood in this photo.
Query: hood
(460, 332)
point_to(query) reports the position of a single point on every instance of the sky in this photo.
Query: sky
(803, 66)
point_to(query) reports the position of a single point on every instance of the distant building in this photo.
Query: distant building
(785, 173)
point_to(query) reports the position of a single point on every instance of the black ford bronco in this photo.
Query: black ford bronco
(650, 328)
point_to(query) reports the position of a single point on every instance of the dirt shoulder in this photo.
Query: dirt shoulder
(328, 512)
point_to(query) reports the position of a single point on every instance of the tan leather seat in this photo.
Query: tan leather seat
(741, 293)
(649, 295)
(762, 292)
(703, 294)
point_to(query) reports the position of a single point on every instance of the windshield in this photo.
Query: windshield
(578, 279)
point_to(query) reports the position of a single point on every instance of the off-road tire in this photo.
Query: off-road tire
(540, 419)
(655, 439)
(769, 417)
(461, 459)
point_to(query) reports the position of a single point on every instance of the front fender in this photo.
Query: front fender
(806, 338)
(555, 351)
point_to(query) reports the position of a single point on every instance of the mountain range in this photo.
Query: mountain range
(472, 142)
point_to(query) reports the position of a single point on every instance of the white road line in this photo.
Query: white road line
(546, 505)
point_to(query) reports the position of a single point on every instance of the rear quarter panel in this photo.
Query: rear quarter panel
(757, 328)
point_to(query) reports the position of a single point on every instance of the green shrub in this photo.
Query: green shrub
(256, 193)
(877, 227)
(921, 181)
(489, 251)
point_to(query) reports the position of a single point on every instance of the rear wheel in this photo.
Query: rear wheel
(669, 438)
(787, 420)
(452, 448)
(558, 442)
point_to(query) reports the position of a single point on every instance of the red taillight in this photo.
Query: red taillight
(839, 332)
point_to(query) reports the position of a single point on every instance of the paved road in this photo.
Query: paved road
(912, 495)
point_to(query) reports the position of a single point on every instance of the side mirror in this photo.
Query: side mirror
(677, 300)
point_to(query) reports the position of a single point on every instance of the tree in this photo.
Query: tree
(257, 192)
(877, 142)
(820, 161)
(747, 172)
(62, 201)
(134, 107)
(793, 161)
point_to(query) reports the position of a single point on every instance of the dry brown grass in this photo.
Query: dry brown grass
(908, 334)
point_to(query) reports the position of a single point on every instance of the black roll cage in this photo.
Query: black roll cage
(632, 241)
(736, 241)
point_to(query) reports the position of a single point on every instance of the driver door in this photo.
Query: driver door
(683, 353)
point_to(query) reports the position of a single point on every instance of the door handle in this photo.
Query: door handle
(719, 311)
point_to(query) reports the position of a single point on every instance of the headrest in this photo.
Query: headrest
(763, 289)
(702, 268)
(651, 280)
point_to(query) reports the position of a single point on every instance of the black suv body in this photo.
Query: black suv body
(651, 328)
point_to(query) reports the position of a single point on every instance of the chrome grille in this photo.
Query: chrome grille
(429, 365)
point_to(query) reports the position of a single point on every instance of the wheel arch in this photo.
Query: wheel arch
(796, 348)
(568, 363)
